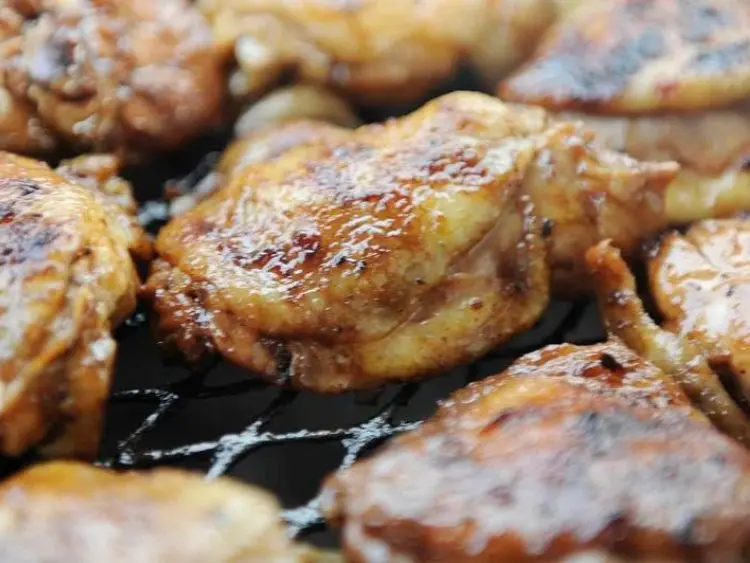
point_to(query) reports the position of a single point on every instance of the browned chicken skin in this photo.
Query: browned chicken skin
(657, 79)
(131, 76)
(72, 513)
(280, 121)
(373, 51)
(701, 285)
(676, 354)
(395, 251)
(66, 278)
(573, 454)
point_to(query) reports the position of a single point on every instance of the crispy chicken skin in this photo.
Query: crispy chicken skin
(395, 251)
(373, 51)
(131, 76)
(281, 120)
(72, 513)
(657, 79)
(66, 278)
(572, 454)
(676, 354)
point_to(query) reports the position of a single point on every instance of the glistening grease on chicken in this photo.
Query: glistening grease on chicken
(677, 353)
(399, 250)
(73, 513)
(66, 278)
(700, 281)
(573, 454)
(131, 76)
(373, 51)
(658, 79)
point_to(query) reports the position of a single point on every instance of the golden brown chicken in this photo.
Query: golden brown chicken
(677, 354)
(573, 454)
(282, 120)
(661, 79)
(131, 76)
(701, 285)
(373, 51)
(73, 513)
(66, 278)
(395, 251)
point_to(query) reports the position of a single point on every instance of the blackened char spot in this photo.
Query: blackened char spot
(609, 362)
(25, 239)
(22, 186)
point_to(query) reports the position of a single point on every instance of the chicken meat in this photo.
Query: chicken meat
(373, 51)
(286, 118)
(73, 513)
(66, 278)
(657, 79)
(395, 250)
(572, 454)
(676, 353)
(700, 282)
(131, 76)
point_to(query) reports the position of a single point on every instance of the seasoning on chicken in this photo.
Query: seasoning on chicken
(701, 285)
(72, 513)
(284, 119)
(399, 250)
(662, 79)
(131, 76)
(572, 454)
(372, 51)
(66, 278)
(677, 354)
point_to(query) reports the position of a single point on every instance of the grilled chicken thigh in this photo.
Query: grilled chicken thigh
(573, 454)
(701, 285)
(657, 79)
(371, 50)
(131, 76)
(73, 513)
(677, 353)
(66, 278)
(398, 250)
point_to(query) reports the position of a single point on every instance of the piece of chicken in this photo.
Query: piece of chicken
(398, 250)
(663, 79)
(66, 278)
(573, 454)
(284, 119)
(131, 76)
(701, 285)
(73, 513)
(676, 354)
(373, 51)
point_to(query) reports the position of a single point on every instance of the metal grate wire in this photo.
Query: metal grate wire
(565, 322)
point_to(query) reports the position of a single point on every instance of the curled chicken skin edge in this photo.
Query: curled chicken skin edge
(626, 319)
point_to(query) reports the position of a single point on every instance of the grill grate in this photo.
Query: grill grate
(221, 421)
(138, 441)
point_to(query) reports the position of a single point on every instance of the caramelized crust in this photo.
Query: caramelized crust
(66, 277)
(573, 451)
(394, 251)
(131, 76)
(676, 354)
(73, 513)
(701, 284)
(372, 51)
(636, 56)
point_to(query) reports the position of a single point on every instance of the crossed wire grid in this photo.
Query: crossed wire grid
(564, 323)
